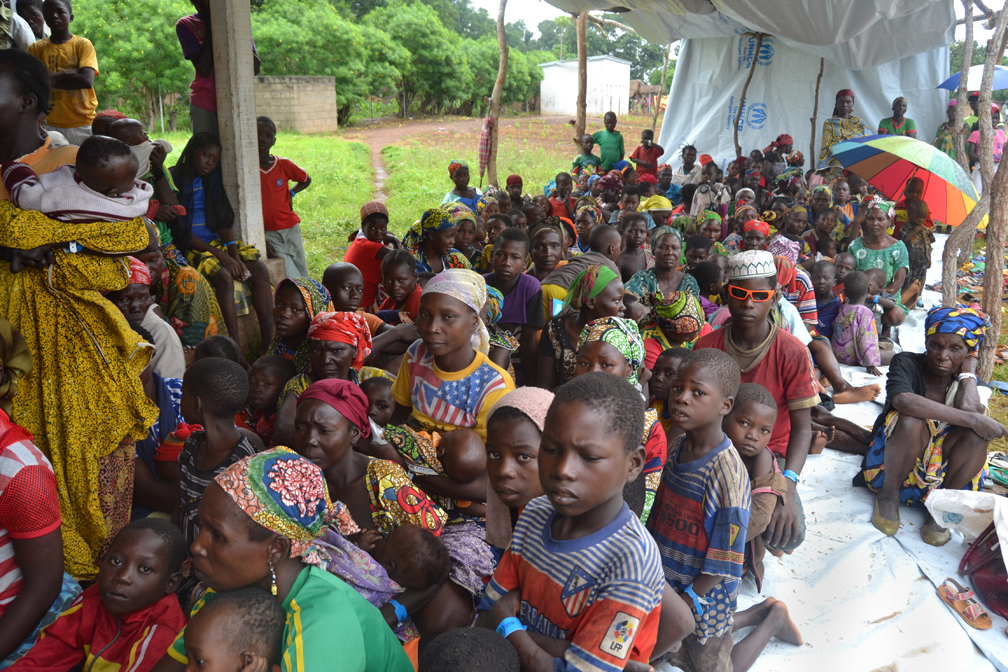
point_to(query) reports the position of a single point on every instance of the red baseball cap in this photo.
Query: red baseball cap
(373, 208)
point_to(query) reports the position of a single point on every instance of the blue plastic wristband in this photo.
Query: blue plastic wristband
(400, 611)
(698, 604)
(509, 625)
(791, 476)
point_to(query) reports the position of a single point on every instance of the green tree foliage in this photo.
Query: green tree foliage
(309, 37)
(518, 36)
(979, 55)
(138, 53)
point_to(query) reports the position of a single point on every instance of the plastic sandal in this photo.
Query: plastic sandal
(964, 603)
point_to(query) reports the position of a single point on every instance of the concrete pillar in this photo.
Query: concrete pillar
(233, 71)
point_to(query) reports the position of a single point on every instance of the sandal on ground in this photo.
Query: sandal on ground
(964, 603)
(884, 525)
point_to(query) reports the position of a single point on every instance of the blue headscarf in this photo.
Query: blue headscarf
(968, 323)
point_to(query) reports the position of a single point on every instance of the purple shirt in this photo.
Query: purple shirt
(523, 304)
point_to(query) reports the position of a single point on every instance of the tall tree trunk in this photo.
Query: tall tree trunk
(495, 98)
(997, 187)
(661, 87)
(815, 114)
(958, 248)
(581, 26)
(745, 88)
(958, 140)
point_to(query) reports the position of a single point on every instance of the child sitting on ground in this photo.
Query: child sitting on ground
(749, 427)
(607, 608)
(918, 237)
(206, 236)
(367, 251)
(495, 225)
(136, 304)
(101, 186)
(132, 132)
(843, 263)
(458, 455)
(586, 163)
(827, 302)
(633, 258)
(855, 336)
(296, 302)
(466, 230)
(266, 380)
(646, 156)
(213, 391)
(561, 203)
(889, 312)
(706, 486)
(470, 649)
(825, 249)
(708, 276)
(698, 248)
(129, 617)
(237, 630)
(282, 224)
(217, 345)
(402, 301)
(381, 405)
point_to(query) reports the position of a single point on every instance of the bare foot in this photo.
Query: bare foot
(787, 631)
(819, 442)
(854, 395)
(774, 552)
(752, 616)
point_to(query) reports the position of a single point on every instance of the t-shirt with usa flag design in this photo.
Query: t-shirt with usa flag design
(447, 400)
(601, 592)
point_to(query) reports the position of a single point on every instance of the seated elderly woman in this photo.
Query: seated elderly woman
(261, 518)
(933, 407)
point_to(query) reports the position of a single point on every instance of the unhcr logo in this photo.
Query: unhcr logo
(747, 48)
(756, 116)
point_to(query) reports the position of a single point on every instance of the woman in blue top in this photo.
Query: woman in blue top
(458, 171)
(205, 234)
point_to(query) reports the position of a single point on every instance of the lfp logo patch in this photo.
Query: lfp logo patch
(619, 638)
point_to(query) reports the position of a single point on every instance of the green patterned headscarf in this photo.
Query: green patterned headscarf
(620, 333)
(588, 284)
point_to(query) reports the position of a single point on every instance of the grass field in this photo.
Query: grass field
(342, 177)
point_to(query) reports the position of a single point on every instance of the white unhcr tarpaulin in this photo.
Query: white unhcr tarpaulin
(711, 72)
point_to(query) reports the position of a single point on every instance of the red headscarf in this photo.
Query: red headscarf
(139, 274)
(757, 225)
(784, 139)
(345, 397)
(844, 92)
(343, 327)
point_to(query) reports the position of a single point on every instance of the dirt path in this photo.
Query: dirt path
(391, 131)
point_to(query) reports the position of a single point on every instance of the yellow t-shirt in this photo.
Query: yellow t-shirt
(44, 160)
(72, 108)
(443, 401)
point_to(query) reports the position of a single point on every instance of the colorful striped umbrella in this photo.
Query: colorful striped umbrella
(889, 161)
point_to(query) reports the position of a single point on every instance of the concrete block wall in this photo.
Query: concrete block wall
(303, 104)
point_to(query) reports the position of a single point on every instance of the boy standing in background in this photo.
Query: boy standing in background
(610, 142)
(646, 156)
(283, 226)
(72, 66)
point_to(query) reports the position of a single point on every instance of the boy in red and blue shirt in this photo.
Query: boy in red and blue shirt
(282, 224)
(581, 568)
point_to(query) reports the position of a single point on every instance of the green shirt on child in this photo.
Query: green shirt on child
(586, 163)
(610, 147)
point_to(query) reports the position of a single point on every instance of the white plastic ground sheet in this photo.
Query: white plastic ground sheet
(864, 601)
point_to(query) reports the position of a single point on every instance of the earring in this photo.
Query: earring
(273, 588)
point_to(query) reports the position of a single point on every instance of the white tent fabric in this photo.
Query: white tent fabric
(711, 72)
(856, 34)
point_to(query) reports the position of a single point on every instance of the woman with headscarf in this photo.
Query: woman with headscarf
(877, 249)
(821, 202)
(296, 302)
(586, 218)
(775, 156)
(337, 344)
(431, 239)
(944, 139)
(502, 343)
(898, 123)
(841, 126)
(614, 345)
(596, 292)
(261, 518)
(380, 496)
(458, 171)
(665, 277)
(939, 427)
(675, 321)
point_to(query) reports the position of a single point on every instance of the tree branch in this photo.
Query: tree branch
(661, 86)
(745, 88)
(958, 141)
(815, 110)
(582, 100)
(498, 90)
(601, 23)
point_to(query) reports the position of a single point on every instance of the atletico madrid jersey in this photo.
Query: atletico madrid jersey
(602, 592)
(447, 400)
(699, 519)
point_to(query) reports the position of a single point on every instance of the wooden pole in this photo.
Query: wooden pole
(581, 26)
(661, 87)
(815, 114)
(958, 141)
(498, 90)
(997, 186)
(745, 88)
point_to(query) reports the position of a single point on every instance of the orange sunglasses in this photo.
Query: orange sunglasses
(757, 295)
